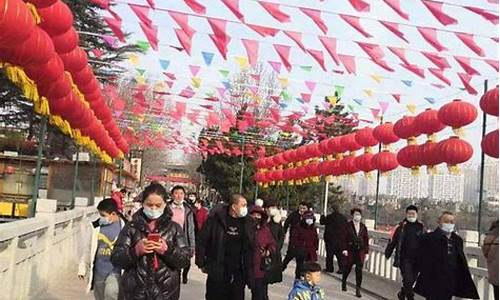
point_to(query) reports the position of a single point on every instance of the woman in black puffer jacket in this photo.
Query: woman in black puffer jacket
(151, 268)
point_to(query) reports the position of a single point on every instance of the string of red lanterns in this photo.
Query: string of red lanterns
(489, 104)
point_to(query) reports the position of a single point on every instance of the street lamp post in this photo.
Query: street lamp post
(38, 170)
(242, 162)
(481, 176)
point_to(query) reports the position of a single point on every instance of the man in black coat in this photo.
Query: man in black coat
(444, 272)
(224, 249)
(406, 242)
(292, 221)
(334, 224)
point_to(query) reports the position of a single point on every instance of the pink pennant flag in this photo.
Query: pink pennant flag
(491, 17)
(284, 54)
(438, 85)
(396, 6)
(493, 63)
(466, 78)
(311, 85)
(400, 53)
(275, 114)
(187, 92)
(464, 62)
(330, 45)
(242, 126)
(276, 66)
(229, 114)
(276, 99)
(184, 40)
(375, 112)
(97, 52)
(254, 89)
(383, 106)
(274, 10)
(252, 48)
(194, 69)
(468, 40)
(218, 26)
(394, 28)
(440, 75)
(170, 75)
(221, 91)
(255, 77)
(360, 5)
(318, 56)
(196, 6)
(439, 61)
(263, 30)
(234, 7)
(354, 22)
(151, 33)
(296, 37)
(430, 35)
(397, 97)
(114, 14)
(376, 54)
(221, 43)
(182, 20)
(436, 9)
(115, 26)
(305, 97)
(151, 3)
(315, 15)
(141, 12)
(414, 69)
(349, 63)
(169, 83)
(212, 119)
(181, 108)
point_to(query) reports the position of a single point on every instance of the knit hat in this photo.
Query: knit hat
(412, 207)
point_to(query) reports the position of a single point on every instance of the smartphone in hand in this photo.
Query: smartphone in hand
(155, 237)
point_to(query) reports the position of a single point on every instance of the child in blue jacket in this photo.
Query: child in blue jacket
(307, 287)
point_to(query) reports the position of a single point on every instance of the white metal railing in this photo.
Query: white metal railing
(36, 252)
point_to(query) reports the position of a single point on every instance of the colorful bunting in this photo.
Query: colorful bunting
(468, 40)
(252, 49)
(397, 97)
(151, 3)
(349, 63)
(296, 37)
(274, 10)
(430, 35)
(207, 57)
(483, 13)
(330, 45)
(242, 62)
(315, 15)
(400, 53)
(339, 90)
(194, 69)
(464, 62)
(436, 9)
(224, 73)
(218, 26)
(196, 6)
(184, 40)
(196, 81)
(430, 100)
(408, 83)
(115, 26)
(164, 63)
(396, 6)
(221, 43)
(493, 63)
(318, 56)
(375, 112)
(354, 22)
(284, 54)
(306, 68)
(358, 101)
(151, 33)
(376, 54)
(182, 20)
(368, 92)
(263, 30)
(142, 13)
(439, 74)
(134, 59)
(439, 61)
(415, 70)
(412, 108)
(466, 78)
(360, 5)
(376, 78)
(311, 85)
(234, 7)
(394, 28)
(305, 97)
(276, 66)
(143, 45)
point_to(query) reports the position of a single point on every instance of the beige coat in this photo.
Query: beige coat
(490, 251)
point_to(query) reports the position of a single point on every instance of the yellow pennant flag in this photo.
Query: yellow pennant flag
(140, 79)
(283, 81)
(332, 99)
(159, 86)
(196, 82)
(241, 61)
(412, 108)
(376, 77)
(134, 59)
(368, 92)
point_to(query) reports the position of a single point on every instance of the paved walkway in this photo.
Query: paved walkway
(72, 288)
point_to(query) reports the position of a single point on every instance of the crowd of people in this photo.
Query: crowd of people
(147, 253)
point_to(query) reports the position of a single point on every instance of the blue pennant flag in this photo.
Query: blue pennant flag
(226, 84)
(300, 100)
(164, 63)
(207, 56)
(407, 82)
(358, 101)
(283, 105)
(430, 100)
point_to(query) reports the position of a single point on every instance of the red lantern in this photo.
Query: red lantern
(302, 153)
(61, 105)
(16, 23)
(323, 167)
(489, 102)
(56, 89)
(409, 156)
(75, 61)
(405, 128)
(348, 165)
(56, 19)
(455, 151)
(429, 155)
(489, 144)
(323, 146)
(66, 42)
(457, 114)
(385, 161)
(83, 76)
(336, 168)
(48, 72)
(312, 150)
(384, 133)
(258, 163)
(364, 162)
(37, 49)
(349, 142)
(79, 116)
(335, 145)
(42, 3)
(427, 122)
(365, 137)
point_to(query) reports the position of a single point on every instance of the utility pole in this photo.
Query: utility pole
(75, 178)
(481, 176)
(38, 170)
(242, 162)
(378, 182)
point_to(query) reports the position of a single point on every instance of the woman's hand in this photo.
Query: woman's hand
(146, 246)
(344, 253)
(264, 252)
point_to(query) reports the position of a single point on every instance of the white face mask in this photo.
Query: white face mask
(356, 218)
(103, 221)
(273, 211)
(448, 227)
(259, 202)
(153, 213)
(411, 219)
(309, 221)
(243, 212)
(277, 218)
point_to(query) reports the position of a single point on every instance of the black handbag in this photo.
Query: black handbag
(266, 263)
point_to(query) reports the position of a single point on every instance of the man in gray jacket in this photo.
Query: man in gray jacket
(183, 215)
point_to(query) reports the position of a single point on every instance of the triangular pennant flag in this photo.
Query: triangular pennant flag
(283, 81)
(430, 35)
(184, 40)
(439, 61)
(151, 33)
(394, 28)
(360, 5)
(207, 57)
(483, 13)
(383, 106)
(377, 78)
(274, 10)
(430, 100)
(196, 6)
(438, 85)
(255, 77)
(276, 66)
(376, 54)
(234, 7)
(182, 20)
(311, 85)
(164, 63)
(332, 100)
(284, 94)
(354, 22)
(227, 85)
(439, 74)
(300, 100)
(296, 37)
(358, 101)
(134, 59)
(412, 108)
(224, 73)
(468, 40)
(396, 6)
(143, 45)
(339, 90)
(141, 12)
(170, 84)
(275, 114)
(263, 30)
(349, 63)
(194, 69)
(276, 99)
(318, 56)
(115, 26)
(350, 107)
(254, 90)
(436, 9)
(397, 97)
(111, 41)
(196, 81)
(187, 92)
(330, 45)
(241, 61)
(171, 76)
(375, 112)
(368, 92)
(284, 54)
(315, 15)
(221, 91)
(464, 62)
(493, 63)
(252, 49)
(218, 26)
(400, 53)
(140, 71)
(151, 3)
(305, 97)
(221, 43)
(306, 68)
(415, 70)
(408, 83)
(466, 78)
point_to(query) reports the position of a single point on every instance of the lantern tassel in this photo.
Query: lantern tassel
(459, 132)
(34, 13)
(454, 169)
(431, 170)
(415, 171)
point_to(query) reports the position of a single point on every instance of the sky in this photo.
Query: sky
(355, 86)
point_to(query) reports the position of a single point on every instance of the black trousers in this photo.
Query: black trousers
(347, 267)
(495, 291)
(288, 258)
(259, 291)
(185, 271)
(332, 251)
(408, 268)
(231, 288)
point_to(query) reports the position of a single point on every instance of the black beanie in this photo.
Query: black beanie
(412, 207)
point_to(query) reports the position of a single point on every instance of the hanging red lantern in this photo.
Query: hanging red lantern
(16, 23)
(56, 19)
(405, 128)
(287, 156)
(489, 144)
(430, 156)
(37, 49)
(385, 161)
(66, 42)
(259, 163)
(427, 122)
(489, 102)
(57, 89)
(42, 3)
(335, 146)
(364, 162)
(323, 167)
(455, 151)
(336, 168)
(83, 76)
(79, 116)
(457, 114)
(323, 146)
(312, 150)
(48, 72)
(384, 133)
(90, 87)
(349, 142)
(409, 157)
(365, 138)
(302, 153)
(75, 60)
(348, 165)
(59, 106)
